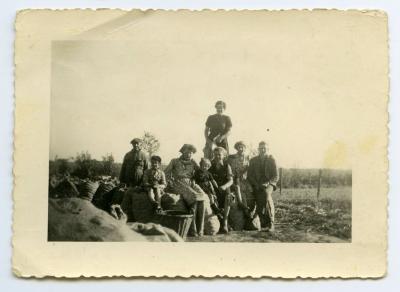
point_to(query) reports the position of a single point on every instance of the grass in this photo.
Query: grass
(330, 215)
(300, 217)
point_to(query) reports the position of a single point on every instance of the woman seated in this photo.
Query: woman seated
(222, 174)
(180, 175)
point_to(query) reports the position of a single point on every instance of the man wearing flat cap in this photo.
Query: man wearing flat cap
(134, 164)
(263, 177)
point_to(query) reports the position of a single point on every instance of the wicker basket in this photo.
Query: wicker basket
(176, 220)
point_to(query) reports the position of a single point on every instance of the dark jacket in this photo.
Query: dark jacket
(133, 167)
(262, 170)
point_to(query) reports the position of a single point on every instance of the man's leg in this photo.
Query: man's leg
(270, 208)
(260, 197)
(200, 217)
(193, 227)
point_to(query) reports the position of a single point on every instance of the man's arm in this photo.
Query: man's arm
(168, 171)
(251, 174)
(207, 130)
(228, 127)
(274, 173)
(230, 178)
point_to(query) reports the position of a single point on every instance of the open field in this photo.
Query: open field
(301, 218)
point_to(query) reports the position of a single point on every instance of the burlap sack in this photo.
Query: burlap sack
(237, 218)
(156, 232)
(76, 219)
(253, 223)
(211, 222)
(137, 206)
(101, 191)
(211, 225)
(173, 202)
(87, 189)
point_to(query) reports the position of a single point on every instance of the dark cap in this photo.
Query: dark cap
(188, 147)
(156, 158)
(136, 140)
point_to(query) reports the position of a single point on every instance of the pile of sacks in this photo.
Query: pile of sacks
(85, 210)
(76, 219)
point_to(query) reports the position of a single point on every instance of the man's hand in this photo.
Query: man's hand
(222, 188)
(209, 142)
(265, 186)
(218, 139)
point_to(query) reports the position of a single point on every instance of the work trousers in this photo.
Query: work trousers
(265, 205)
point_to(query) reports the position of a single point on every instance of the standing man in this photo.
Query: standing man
(218, 127)
(263, 177)
(134, 165)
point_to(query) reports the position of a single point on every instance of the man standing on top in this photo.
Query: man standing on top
(263, 177)
(218, 127)
(134, 164)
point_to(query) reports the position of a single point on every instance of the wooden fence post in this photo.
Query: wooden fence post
(280, 180)
(319, 183)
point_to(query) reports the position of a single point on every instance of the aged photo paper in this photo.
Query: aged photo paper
(154, 143)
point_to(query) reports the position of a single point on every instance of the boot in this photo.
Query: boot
(224, 228)
(271, 228)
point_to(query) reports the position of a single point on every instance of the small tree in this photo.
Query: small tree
(83, 165)
(150, 143)
(108, 164)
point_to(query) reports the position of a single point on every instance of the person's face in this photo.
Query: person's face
(136, 146)
(240, 149)
(204, 166)
(155, 164)
(263, 150)
(220, 108)
(218, 156)
(187, 154)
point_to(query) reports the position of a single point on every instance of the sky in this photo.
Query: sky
(287, 86)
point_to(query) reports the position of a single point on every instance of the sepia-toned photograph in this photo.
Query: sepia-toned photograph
(241, 141)
(163, 140)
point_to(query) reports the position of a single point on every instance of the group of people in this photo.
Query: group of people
(219, 178)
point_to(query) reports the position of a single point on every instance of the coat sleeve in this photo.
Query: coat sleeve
(274, 173)
(228, 125)
(169, 170)
(145, 181)
(251, 174)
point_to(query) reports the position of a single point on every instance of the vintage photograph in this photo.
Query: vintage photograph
(241, 141)
(198, 139)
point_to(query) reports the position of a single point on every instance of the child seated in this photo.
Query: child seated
(206, 181)
(154, 182)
